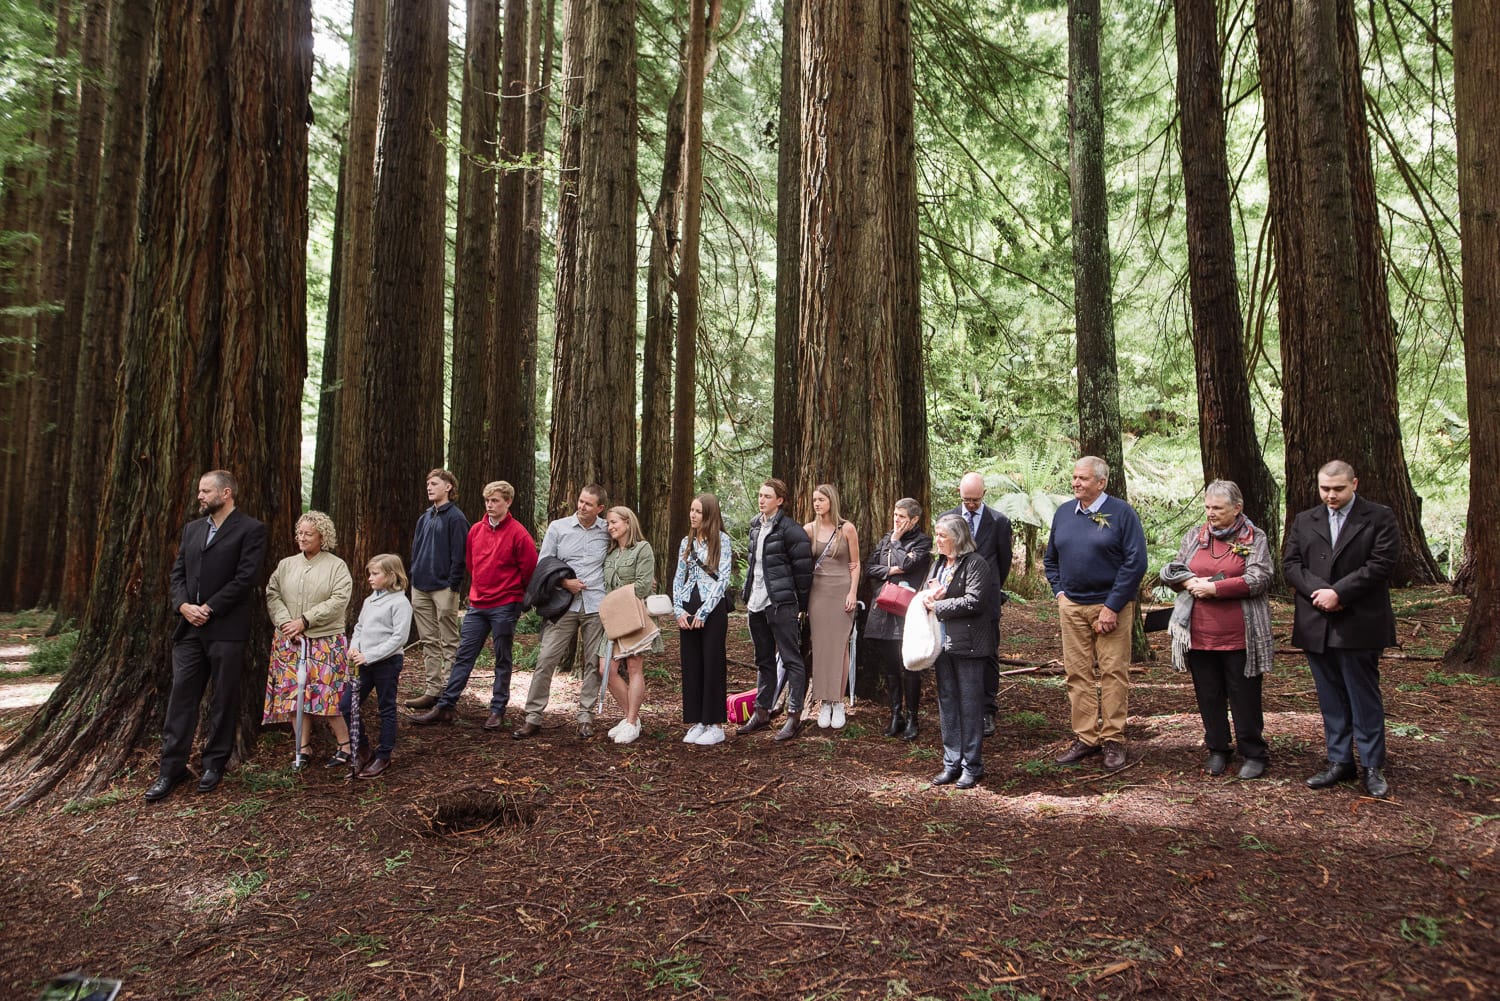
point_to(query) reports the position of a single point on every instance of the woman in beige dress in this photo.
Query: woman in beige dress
(830, 607)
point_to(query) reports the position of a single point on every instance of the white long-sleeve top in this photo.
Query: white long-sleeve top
(384, 624)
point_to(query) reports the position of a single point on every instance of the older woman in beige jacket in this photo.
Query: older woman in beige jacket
(308, 600)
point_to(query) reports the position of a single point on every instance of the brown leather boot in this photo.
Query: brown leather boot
(759, 720)
(437, 714)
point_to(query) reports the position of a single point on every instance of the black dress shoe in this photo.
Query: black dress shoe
(759, 720)
(989, 724)
(1253, 768)
(1375, 783)
(946, 776)
(163, 786)
(1216, 763)
(910, 733)
(967, 780)
(210, 780)
(1336, 772)
(1076, 753)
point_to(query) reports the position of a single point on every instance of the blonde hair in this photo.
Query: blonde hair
(390, 564)
(500, 487)
(328, 536)
(628, 517)
(827, 490)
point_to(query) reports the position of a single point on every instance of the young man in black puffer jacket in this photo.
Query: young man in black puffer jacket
(776, 587)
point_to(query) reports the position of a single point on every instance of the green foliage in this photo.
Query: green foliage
(54, 654)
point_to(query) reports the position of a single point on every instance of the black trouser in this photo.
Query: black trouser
(960, 686)
(194, 662)
(899, 682)
(992, 676)
(1348, 683)
(775, 629)
(704, 665)
(381, 676)
(1219, 681)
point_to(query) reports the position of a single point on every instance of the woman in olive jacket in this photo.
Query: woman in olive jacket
(960, 590)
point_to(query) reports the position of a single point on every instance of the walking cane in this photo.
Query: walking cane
(853, 646)
(301, 700)
(614, 647)
(356, 706)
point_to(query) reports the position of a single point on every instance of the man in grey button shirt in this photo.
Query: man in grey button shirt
(581, 542)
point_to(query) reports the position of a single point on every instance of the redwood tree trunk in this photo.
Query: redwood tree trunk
(399, 396)
(849, 394)
(1098, 374)
(1476, 66)
(328, 375)
(212, 370)
(784, 411)
(367, 49)
(470, 428)
(593, 401)
(1226, 421)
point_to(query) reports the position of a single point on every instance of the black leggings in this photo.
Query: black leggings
(704, 664)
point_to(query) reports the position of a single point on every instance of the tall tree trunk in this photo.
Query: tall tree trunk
(1384, 475)
(111, 244)
(593, 402)
(367, 48)
(784, 377)
(471, 433)
(849, 393)
(1476, 68)
(512, 448)
(55, 357)
(1093, 303)
(911, 370)
(398, 397)
(17, 340)
(212, 371)
(328, 373)
(1226, 421)
(567, 340)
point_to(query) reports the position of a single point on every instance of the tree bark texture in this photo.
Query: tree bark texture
(1336, 336)
(367, 49)
(17, 337)
(471, 428)
(1098, 374)
(55, 357)
(568, 379)
(593, 401)
(523, 124)
(399, 395)
(1476, 65)
(784, 412)
(212, 370)
(1226, 420)
(848, 392)
(110, 242)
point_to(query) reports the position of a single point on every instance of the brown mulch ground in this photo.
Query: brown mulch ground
(553, 868)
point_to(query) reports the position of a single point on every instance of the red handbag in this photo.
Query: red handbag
(894, 599)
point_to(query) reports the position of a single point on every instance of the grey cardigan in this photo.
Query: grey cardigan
(1256, 608)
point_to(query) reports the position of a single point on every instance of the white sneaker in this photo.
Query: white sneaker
(694, 734)
(615, 730)
(825, 715)
(838, 715)
(711, 735)
(628, 733)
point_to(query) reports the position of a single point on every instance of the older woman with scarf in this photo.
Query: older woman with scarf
(960, 591)
(1221, 626)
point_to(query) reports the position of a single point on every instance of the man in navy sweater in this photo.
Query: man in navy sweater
(437, 581)
(1095, 562)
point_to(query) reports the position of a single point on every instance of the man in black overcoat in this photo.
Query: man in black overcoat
(1339, 557)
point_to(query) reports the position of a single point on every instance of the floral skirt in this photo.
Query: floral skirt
(327, 672)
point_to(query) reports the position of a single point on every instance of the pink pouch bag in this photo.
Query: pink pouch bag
(739, 706)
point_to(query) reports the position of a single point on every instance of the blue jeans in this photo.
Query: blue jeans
(480, 624)
(381, 676)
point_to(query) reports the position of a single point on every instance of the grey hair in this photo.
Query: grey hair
(1098, 465)
(958, 530)
(1227, 489)
(912, 509)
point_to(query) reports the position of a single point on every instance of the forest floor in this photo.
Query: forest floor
(485, 867)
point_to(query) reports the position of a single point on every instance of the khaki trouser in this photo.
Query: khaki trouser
(1098, 669)
(436, 616)
(558, 645)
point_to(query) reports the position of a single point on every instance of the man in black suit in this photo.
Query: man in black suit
(1339, 557)
(992, 540)
(213, 587)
